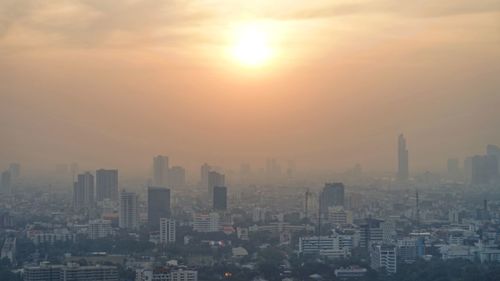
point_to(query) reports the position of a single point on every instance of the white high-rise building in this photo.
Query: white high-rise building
(167, 231)
(129, 211)
(384, 256)
(206, 222)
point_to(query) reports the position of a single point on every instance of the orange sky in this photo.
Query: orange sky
(112, 83)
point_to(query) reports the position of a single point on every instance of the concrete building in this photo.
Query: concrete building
(9, 249)
(220, 198)
(214, 179)
(106, 185)
(129, 211)
(167, 231)
(100, 229)
(206, 222)
(83, 191)
(70, 272)
(331, 196)
(158, 206)
(383, 257)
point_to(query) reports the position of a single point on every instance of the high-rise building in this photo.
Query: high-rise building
(484, 169)
(6, 182)
(403, 166)
(70, 272)
(370, 232)
(215, 179)
(383, 256)
(167, 231)
(220, 198)
(177, 177)
(206, 222)
(158, 206)
(129, 210)
(106, 185)
(160, 170)
(204, 170)
(331, 196)
(100, 229)
(9, 249)
(83, 191)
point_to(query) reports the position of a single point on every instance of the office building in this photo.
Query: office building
(9, 249)
(83, 191)
(70, 272)
(204, 170)
(403, 165)
(383, 257)
(106, 185)
(158, 206)
(331, 196)
(167, 231)
(206, 222)
(160, 171)
(370, 232)
(129, 211)
(214, 179)
(166, 274)
(483, 169)
(99, 229)
(220, 198)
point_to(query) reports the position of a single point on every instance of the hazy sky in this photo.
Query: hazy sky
(112, 83)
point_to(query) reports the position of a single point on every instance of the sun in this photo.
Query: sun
(251, 46)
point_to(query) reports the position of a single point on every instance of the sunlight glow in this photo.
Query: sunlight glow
(251, 45)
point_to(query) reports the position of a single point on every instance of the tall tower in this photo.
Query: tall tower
(83, 191)
(220, 198)
(106, 184)
(331, 196)
(204, 170)
(160, 170)
(158, 206)
(214, 179)
(403, 169)
(129, 210)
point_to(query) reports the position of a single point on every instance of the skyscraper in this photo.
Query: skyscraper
(484, 169)
(160, 170)
(129, 210)
(403, 168)
(220, 198)
(214, 179)
(332, 196)
(6, 182)
(167, 230)
(158, 206)
(106, 184)
(204, 170)
(177, 177)
(83, 191)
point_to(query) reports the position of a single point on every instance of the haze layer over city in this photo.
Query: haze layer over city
(249, 140)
